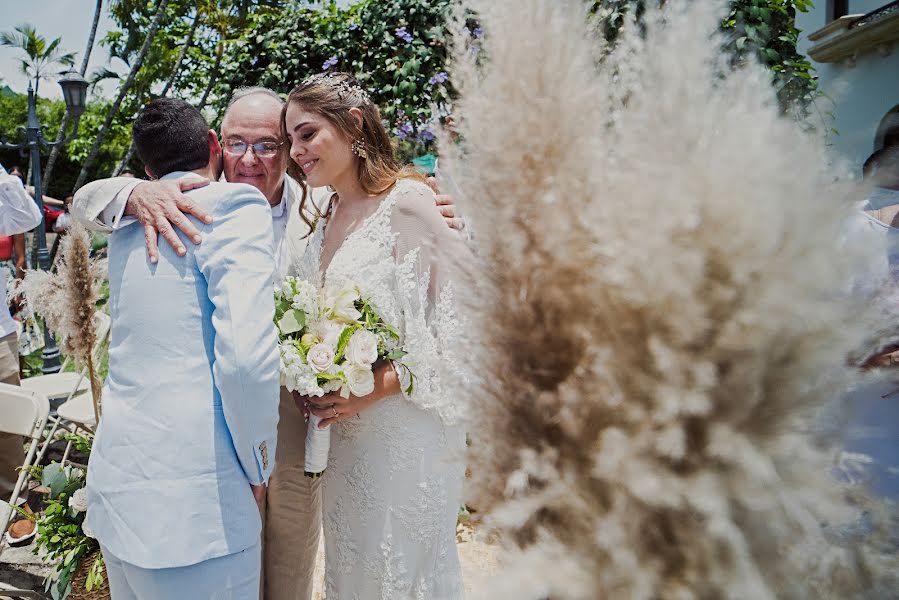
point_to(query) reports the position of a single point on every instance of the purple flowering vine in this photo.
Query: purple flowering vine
(404, 35)
(440, 77)
(329, 63)
(425, 135)
(353, 26)
(404, 130)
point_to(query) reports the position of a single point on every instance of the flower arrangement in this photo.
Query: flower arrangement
(328, 341)
(62, 537)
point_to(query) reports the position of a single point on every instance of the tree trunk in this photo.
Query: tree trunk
(65, 118)
(170, 84)
(135, 67)
(213, 76)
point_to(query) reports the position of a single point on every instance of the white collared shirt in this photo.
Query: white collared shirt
(18, 213)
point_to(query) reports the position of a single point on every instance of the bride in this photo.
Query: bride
(393, 484)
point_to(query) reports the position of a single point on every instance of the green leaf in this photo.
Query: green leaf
(54, 478)
(397, 354)
(344, 339)
(293, 320)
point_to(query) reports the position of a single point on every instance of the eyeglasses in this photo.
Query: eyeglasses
(260, 149)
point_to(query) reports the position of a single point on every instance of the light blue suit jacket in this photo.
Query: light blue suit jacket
(190, 410)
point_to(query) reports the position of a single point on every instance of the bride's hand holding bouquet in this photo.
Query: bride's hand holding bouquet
(338, 357)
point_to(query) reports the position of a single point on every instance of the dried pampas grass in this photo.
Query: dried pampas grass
(67, 301)
(663, 312)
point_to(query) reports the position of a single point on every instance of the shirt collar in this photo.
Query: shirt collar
(882, 197)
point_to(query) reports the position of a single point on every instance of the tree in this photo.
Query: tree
(395, 48)
(764, 29)
(48, 171)
(135, 67)
(41, 57)
(169, 84)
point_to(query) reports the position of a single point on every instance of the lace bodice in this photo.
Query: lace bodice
(394, 479)
(402, 257)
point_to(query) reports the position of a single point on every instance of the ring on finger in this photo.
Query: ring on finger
(336, 414)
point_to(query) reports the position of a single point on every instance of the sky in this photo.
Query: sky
(67, 19)
(71, 21)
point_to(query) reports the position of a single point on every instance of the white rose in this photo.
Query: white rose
(362, 348)
(320, 357)
(359, 379)
(78, 500)
(87, 531)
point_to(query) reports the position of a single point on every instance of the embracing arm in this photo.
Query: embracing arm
(237, 261)
(431, 260)
(159, 206)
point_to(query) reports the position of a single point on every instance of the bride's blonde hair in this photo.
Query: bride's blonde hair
(332, 95)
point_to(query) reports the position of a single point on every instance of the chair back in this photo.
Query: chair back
(102, 323)
(22, 412)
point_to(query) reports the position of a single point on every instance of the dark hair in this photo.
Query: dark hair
(171, 135)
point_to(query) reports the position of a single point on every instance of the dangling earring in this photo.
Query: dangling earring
(358, 148)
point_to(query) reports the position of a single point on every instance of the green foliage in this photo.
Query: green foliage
(60, 537)
(764, 29)
(13, 114)
(395, 48)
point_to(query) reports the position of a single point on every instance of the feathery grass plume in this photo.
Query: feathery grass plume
(67, 301)
(664, 312)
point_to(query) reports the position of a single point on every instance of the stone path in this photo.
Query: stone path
(21, 569)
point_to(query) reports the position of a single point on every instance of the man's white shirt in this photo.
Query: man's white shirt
(18, 213)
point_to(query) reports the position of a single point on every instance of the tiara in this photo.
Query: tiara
(345, 87)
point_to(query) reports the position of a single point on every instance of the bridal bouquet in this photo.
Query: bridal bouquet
(328, 340)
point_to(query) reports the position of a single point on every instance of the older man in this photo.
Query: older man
(253, 153)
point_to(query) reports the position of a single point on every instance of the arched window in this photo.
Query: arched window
(888, 130)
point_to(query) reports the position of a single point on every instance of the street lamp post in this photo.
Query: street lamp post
(74, 90)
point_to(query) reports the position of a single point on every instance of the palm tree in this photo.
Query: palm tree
(51, 162)
(170, 83)
(135, 67)
(40, 56)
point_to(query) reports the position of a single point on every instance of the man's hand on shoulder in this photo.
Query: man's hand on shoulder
(160, 206)
(446, 207)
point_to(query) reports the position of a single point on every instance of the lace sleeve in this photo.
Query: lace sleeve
(428, 256)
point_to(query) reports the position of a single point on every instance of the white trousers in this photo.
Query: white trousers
(229, 577)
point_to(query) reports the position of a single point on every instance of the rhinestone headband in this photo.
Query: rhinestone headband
(346, 88)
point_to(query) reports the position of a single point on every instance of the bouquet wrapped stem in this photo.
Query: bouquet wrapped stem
(329, 340)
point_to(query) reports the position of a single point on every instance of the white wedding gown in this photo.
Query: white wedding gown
(393, 485)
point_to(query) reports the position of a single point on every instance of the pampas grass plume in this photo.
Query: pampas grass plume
(663, 311)
(67, 301)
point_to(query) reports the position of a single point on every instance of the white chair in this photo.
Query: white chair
(25, 413)
(75, 388)
(68, 384)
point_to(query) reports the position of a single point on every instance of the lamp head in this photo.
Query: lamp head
(74, 90)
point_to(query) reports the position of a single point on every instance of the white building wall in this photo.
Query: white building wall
(862, 94)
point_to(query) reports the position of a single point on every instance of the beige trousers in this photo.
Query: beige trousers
(11, 446)
(292, 518)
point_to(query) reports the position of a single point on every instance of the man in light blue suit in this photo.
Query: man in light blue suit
(186, 441)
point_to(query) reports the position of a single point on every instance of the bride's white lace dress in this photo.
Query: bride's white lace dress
(393, 485)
